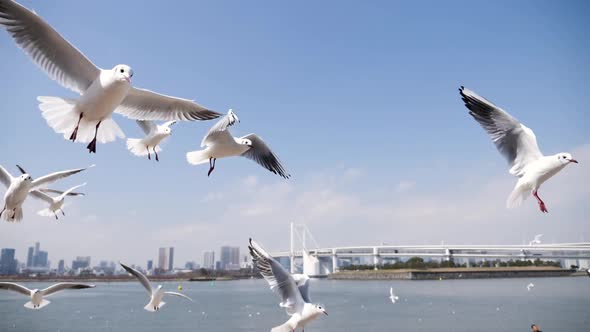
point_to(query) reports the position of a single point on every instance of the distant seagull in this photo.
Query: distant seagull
(530, 286)
(103, 91)
(37, 301)
(154, 135)
(588, 272)
(293, 298)
(392, 296)
(156, 295)
(20, 187)
(536, 240)
(518, 144)
(55, 203)
(220, 143)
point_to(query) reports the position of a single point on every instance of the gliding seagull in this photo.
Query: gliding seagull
(392, 296)
(536, 240)
(518, 145)
(103, 91)
(55, 203)
(37, 301)
(154, 135)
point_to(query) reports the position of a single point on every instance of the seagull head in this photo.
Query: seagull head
(318, 309)
(26, 178)
(123, 73)
(565, 158)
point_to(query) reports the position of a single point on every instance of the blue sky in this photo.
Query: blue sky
(358, 99)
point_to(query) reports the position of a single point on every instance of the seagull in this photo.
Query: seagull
(530, 286)
(536, 240)
(102, 91)
(154, 135)
(518, 144)
(219, 143)
(55, 203)
(19, 187)
(295, 299)
(156, 294)
(37, 301)
(392, 296)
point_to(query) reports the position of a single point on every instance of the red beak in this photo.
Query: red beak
(573, 161)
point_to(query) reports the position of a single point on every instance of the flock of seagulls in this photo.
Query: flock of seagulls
(102, 92)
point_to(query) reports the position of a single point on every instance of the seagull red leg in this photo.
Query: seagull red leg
(156, 153)
(75, 132)
(92, 146)
(541, 203)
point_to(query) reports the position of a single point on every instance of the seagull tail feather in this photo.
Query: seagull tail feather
(517, 196)
(197, 157)
(137, 147)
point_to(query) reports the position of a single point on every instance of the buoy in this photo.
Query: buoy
(179, 287)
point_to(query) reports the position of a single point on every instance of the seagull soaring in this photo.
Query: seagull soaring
(530, 286)
(536, 240)
(392, 296)
(55, 203)
(518, 145)
(294, 298)
(37, 301)
(156, 295)
(154, 135)
(20, 187)
(219, 143)
(102, 91)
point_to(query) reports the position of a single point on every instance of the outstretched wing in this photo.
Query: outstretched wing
(42, 196)
(60, 60)
(219, 131)
(49, 178)
(302, 282)
(64, 285)
(140, 276)
(15, 287)
(148, 127)
(262, 154)
(59, 192)
(5, 176)
(515, 141)
(179, 294)
(143, 104)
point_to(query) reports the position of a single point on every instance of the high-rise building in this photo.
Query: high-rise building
(36, 257)
(30, 257)
(61, 267)
(150, 265)
(81, 262)
(7, 262)
(41, 259)
(230, 258)
(170, 258)
(166, 259)
(209, 260)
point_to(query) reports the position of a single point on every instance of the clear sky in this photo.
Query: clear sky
(359, 100)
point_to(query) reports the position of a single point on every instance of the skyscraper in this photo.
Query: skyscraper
(230, 258)
(30, 257)
(166, 259)
(7, 262)
(150, 265)
(170, 258)
(61, 266)
(209, 260)
(81, 262)
(36, 257)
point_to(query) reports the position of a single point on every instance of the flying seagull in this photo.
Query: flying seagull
(392, 296)
(156, 295)
(154, 135)
(294, 298)
(530, 286)
(102, 91)
(55, 203)
(37, 301)
(518, 145)
(536, 240)
(20, 187)
(219, 143)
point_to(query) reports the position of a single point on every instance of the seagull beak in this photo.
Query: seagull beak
(573, 161)
(325, 313)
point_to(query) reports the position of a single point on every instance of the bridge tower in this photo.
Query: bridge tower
(310, 262)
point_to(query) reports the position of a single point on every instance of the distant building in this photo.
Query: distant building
(105, 268)
(209, 260)
(61, 267)
(218, 265)
(30, 257)
(81, 262)
(150, 265)
(191, 266)
(166, 259)
(36, 257)
(8, 264)
(230, 258)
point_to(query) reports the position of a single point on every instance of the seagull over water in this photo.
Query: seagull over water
(156, 295)
(155, 134)
(55, 203)
(20, 187)
(518, 144)
(219, 143)
(530, 286)
(36, 295)
(102, 91)
(392, 296)
(294, 298)
(536, 240)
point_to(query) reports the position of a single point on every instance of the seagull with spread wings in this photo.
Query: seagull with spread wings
(518, 144)
(156, 295)
(219, 143)
(154, 135)
(56, 203)
(36, 295)
(536, 240)
(294, 294)
(102, 91)
(20, 187)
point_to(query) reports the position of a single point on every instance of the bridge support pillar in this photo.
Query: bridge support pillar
(334, 261)
(376, 258)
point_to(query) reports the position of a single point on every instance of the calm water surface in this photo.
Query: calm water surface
(555, 304)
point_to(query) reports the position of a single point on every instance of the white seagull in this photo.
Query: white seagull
(294, 298)
(37, 301)
(20, 187)
(536, 240)
(530, 286)
(55, 203)
(518, 144)
(154, 135)
(156, 295)
(102, 91)
(219, 143)
(392, 296)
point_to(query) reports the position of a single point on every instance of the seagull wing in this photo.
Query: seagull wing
(60, 60)
(143, 104)
(279, 280)
(5, 177)
(49, 178)
(64, 285)
(148, 127)
(261, 153)
(67, 192)
(169, 123)
(140, 276)
(302, 282)
(59, 192)
(179, 294)
(219, 132)
(42, 196)
(515, 141)
(15, 287)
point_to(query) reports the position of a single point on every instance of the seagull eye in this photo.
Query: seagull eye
(122, 70)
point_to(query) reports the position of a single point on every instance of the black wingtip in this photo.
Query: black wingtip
(21, 169)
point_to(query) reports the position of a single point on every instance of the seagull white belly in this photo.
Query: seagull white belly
(101, 99)
(227, 150)
(15, 196)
